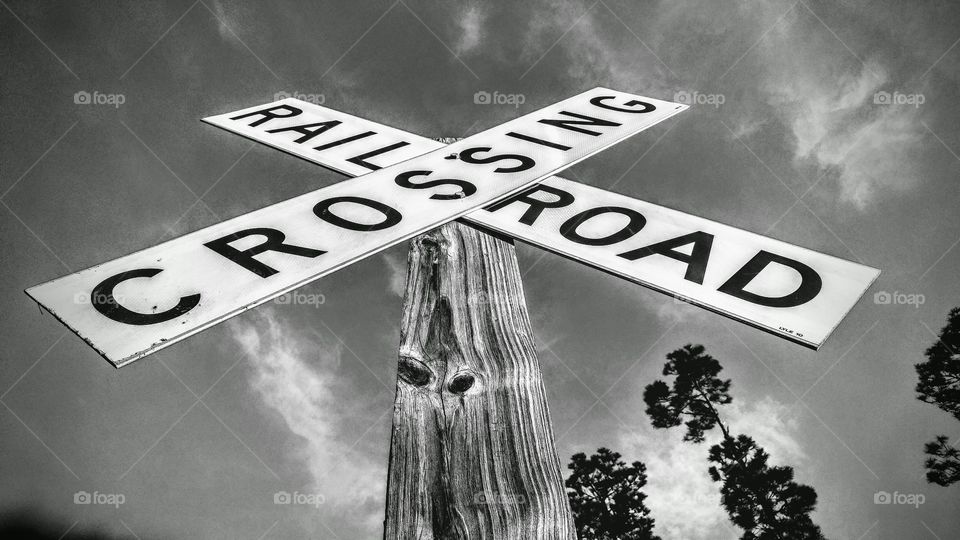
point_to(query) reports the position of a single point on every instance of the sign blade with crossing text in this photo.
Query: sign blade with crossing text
(137, 304)
(790, 291)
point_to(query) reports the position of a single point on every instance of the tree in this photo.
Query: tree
(761, 499)
(943, 465)
(696, 390)
(606, 499)
(939, 384)
(940, 375)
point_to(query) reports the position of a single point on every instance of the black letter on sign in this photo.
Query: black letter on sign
(466, 188)
(696, 260)
(390, 215)
(525, 162)
(269, 114)
(536, 205)
(538, 140)
(104, 302)
(361, 160)
(306, 131)
(810, 282)
(647, 107)
(344, 141)
(274, 242)
(569, 227)
(584, 121)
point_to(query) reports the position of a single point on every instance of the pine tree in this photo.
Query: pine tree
(761, 499)
(939, 384)
(943, 465)
(606, 499)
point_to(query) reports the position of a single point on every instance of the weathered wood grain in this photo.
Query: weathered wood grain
(472, 451)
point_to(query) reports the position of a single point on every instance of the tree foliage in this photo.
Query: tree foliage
(943, 465)
(695, 393)
(606, 499)
(761, 499)
(940, 375)
(939, 384)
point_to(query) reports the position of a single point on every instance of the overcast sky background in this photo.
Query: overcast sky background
(298, 397)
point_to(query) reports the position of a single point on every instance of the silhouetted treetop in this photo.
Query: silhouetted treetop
(763, 500)
(606, 499)
(695, 392)
(940, 375)
(943, 465)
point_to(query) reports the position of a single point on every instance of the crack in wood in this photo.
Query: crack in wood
(472, 449)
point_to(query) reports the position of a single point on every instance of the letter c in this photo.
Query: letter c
(104, 302)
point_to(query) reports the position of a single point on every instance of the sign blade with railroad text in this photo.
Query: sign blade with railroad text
(790, 291)
(140, 303)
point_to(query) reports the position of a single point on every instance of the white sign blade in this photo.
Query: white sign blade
(790, 291)
(137, 304)
(795, 293)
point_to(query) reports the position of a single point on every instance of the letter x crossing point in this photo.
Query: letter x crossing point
(405, 185)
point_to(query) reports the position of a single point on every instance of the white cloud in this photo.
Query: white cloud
(470, 22)
(671, 311)
(800, 74)
(825, 96)
(597, 47)
(299, 386)
(397, 273)
(682, 498)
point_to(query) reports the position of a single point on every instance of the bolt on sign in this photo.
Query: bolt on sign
(790, 291)
(147, 300)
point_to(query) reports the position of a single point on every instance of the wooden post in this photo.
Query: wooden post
(472, 450)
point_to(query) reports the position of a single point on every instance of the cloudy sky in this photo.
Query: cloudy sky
(790, 136)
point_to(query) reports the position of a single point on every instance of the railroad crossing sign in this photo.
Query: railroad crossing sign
(406, 185)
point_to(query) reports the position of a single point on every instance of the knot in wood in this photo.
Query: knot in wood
(413, 371)
(461, 382)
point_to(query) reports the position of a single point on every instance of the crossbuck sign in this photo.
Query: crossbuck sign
(406, 185)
